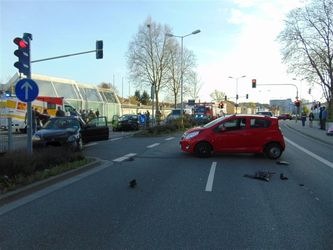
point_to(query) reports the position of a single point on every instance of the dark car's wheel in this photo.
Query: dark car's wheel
(203, 149)
(273, 150)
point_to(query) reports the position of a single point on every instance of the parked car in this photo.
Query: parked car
(71, 131)
(285, 117)
(268, 113)
(173, 115)
(236, 134)
(126, 122)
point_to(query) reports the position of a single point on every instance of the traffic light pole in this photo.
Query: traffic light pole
(98, 51)
(57, 57)
(285, 84)
(28, 37)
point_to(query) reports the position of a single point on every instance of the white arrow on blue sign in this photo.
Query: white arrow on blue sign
(26, 90)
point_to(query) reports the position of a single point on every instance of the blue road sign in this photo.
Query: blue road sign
(26, 90)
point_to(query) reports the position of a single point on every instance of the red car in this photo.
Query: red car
(236, 134)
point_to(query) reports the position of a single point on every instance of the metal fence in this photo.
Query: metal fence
(6, 138)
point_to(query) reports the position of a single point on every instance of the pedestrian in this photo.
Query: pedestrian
(44, 117)
(38, 120)
(303, 118)
(147, 119)
(97, 113)
(311, 118)
(323, 118)
(91, 115)
(60, 112)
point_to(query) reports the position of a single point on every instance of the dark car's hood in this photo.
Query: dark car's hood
(55, 133)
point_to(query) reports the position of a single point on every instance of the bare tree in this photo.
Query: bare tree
(110, 86)
(193, 85)
(217, 96)
(147, 58)
(307, 45)
(176, 69)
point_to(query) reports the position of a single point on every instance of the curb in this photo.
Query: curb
(308, 135)
(36, 186)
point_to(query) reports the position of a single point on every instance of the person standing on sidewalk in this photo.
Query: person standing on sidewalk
(311, 117)
(323, 119)
(303, 118)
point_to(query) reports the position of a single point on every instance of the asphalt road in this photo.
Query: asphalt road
(180, 201)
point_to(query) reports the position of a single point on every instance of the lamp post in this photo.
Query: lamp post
(237, 78)
(181, 67)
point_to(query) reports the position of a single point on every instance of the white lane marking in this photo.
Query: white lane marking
(317, 157)
(115, 139)
(59, 185)
(90, 144)
(153, 145)
(170, 138)
(209, 185)
(125, 157)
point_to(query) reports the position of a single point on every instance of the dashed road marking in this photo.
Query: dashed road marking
(209, 185)
(170, 138)
(153, 145)
(124, 158)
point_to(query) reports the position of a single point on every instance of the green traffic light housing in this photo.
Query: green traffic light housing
(99, 49)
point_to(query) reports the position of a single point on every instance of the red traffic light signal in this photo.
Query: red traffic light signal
(23, 54)
(21, 43)
(254, 83)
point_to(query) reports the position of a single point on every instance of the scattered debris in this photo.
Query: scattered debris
(132, 183)
(282, 177)
(301, 185)
(261, 175)
(282, 162)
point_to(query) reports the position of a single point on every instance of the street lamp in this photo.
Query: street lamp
(181, 67)
(237, 78)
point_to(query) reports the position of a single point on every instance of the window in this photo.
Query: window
(234, 124)
(259, 123)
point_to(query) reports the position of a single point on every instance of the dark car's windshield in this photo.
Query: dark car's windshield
(128, 117)
(57, 123)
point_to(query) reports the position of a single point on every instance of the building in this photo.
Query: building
(282, 106)
(79, 95)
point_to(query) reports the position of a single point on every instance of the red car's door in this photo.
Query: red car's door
(230, 136)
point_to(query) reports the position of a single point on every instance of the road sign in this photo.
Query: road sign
(26, 90)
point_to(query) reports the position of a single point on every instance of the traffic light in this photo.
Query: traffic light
(23, 54)
(221, 105)
(99, 49)
(225, 98)
(254, 83)
(247, 96)
(237, 97)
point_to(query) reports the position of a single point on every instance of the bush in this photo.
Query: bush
(171, 127)
(20, 167)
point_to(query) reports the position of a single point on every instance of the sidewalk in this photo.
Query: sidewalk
(313, 132)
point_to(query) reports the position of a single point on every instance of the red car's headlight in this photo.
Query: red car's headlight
(191, 135)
